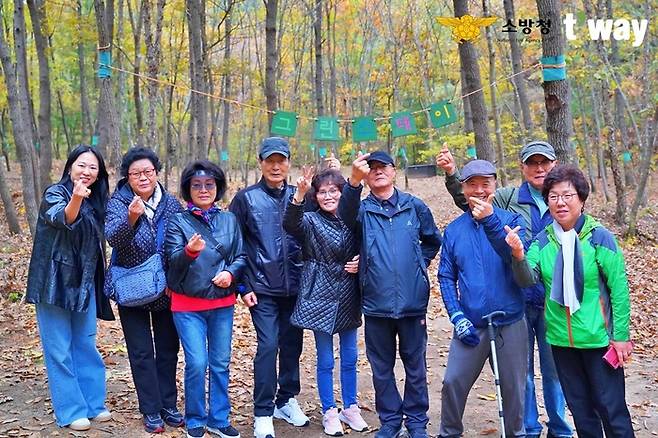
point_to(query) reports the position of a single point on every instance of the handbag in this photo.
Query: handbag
(141, 284)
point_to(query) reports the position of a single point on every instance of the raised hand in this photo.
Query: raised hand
(360, 169)
(482, 209)
(304, 183)
(514, 242)
(196, 243)
(352, 266)
(80, 190)
(223, 279)
(446, 161)
(331, 162)
(136, 206)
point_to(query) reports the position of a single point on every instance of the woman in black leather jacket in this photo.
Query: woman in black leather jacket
(65, 281)
(203, 246)
(328, 301)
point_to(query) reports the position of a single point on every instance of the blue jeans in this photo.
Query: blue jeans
(553, 396)
(76, 372)
(324, 345)
(206, 340)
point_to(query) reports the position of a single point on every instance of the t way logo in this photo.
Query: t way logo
(466, 27)
(602, 29)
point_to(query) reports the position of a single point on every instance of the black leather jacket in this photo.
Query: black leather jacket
(193, 276)
(68, 260)
(274, 258)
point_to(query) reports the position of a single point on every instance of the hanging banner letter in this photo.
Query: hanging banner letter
(442, 113)
(326, 128)
(364, 129)
(284, 123)
(403, 123)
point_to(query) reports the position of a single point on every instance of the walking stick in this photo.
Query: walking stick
(494, 359)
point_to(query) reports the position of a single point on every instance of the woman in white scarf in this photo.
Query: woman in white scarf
(587, 304)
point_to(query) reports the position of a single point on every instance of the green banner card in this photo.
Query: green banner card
(364, 129)
(403, 123)
(442, 113)
(326, 128)
(284, 123)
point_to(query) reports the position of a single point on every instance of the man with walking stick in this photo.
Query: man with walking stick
(476, 282)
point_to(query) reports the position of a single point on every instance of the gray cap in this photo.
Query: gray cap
(537, 148)
(274, 145)
(477, 168)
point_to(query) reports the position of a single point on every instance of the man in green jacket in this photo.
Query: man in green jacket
(537, 158)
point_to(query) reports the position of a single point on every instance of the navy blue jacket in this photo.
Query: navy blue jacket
(133, 245)
(274, 257)
(68, 260)
(395, 253)
(476, 261)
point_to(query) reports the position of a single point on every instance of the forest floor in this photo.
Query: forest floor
(25, 408)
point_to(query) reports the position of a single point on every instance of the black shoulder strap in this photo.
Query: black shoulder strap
(509, 200)
(207, 236)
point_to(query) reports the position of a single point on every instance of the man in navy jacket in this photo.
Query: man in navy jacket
(399, 239)
(476, 279)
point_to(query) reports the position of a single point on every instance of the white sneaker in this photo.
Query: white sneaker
(263, 427)
(352, 417)
(80, 424)
(331, 423)
(104, 416)
(292, 413)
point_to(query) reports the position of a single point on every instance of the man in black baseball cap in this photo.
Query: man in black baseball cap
(399, 240)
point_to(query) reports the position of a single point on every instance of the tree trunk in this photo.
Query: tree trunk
(106, 113)
(38, 16)
(613, 151)
(197, 65)
(271, 56)
(227, 91)
(517, 66)
(84, 95)
(559, 122)
(319, 72)
(645, 167)
(331, 55)
(20, 129)
(8, 204)
(469, 64)
(136, 26)
(152, 39)
(64, 125)
(587, 153)
(598, 144)
(494, 105)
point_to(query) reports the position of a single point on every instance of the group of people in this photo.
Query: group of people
(316, 256)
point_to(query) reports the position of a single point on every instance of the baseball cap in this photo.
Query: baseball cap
(537, 147)
(477, 168)
(274, 145)
(382, 157)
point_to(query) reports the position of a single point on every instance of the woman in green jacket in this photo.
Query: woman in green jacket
(587, 304)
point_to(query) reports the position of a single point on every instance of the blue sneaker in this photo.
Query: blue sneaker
(172, 417)
(391, 431)
(421, 432)
(153, 423)
(196, 432)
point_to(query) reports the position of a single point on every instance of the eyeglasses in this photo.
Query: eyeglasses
(332, 193)
(147, 173)
(567, 197)
(541, 163)
(207, 186)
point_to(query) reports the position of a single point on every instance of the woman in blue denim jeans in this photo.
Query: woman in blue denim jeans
(65, 281)
(204, 250)
(328, 301)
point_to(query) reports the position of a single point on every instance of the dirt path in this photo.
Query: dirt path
(25, 407)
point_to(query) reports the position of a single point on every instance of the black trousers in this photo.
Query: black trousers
(595, 392)
(276, 337)
(383, 338)
(153, 369)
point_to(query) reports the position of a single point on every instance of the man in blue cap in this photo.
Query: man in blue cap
(537, 158)
(274, 262)
(399, 239)
(476, 279)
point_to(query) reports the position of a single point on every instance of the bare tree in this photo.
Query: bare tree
(271, 56)
(136, 24)
(152, 39)
(84, 94)
(38, 16)
(199, 112)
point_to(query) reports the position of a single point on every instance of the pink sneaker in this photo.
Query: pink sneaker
(352, 417)
(331, 423)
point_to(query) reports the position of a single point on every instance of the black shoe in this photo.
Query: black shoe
(172, 417)
(225, 432)
(196, 432)
(153, 423)
(421, 432)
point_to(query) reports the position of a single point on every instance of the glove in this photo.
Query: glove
(464, 329)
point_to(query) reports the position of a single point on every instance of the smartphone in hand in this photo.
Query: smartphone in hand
(611, 358)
